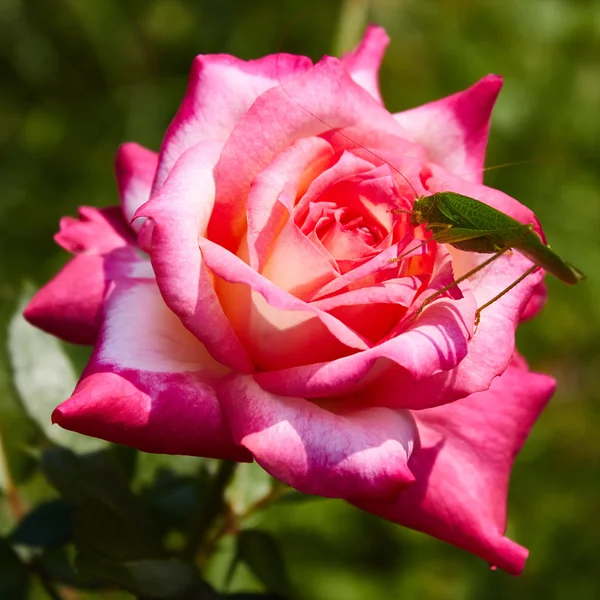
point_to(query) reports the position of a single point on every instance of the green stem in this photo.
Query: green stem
(10, 489)
(213, 507)
(45, 580)
(353, 18)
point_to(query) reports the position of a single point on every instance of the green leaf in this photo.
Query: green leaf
(149, 465)
(295, 497)
(43, 376)
(17, 432)
(14, 577)
(148, 578)
(261, 552)
(49, 524)
(174, 500)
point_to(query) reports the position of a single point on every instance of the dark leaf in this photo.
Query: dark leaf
(14, 577)
(260, 551)
(49, 524)
(126, 458)
(109, 520)
(174, 499)
(147, 578)
(296, 497)
(254, 596)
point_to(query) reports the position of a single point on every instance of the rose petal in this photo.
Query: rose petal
(413, 351)
(304, 160)
(220, 90)
(322, 99)
(276, 327)
(364, 61)
(463, 465)
(536, 302)
(376, 310)
(454, 130)
(177, 216)
(70, 305)
(435, 343)
(340, 454)
(135, 167)
(150, 383)
(97, 231)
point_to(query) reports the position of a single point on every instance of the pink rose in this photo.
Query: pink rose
(243, 305)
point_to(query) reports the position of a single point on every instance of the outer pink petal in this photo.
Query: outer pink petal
(463, 467)
(221, 89)
(70, 305)
(454, 130)
(150, 383)
(322, 99)
(135, 167)
(536, 302)
(178, 214)
(340, 453)
(364, 61)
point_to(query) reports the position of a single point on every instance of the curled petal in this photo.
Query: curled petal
(276, 327)
(454, 130)
(150, 383)
(463, 465)
(135, 167)
(364, 61)
(340, 454)
(437, 342)
(412, 352)
(97, 231)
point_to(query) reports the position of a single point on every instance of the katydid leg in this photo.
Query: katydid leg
(504, 291)
(462, 278)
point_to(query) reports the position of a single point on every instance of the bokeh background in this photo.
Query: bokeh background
(78, 77)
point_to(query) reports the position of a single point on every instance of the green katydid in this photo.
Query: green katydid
(473, 226)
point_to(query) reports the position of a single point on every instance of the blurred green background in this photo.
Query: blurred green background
(81, 76)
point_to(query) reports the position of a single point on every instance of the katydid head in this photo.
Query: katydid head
(422, 208)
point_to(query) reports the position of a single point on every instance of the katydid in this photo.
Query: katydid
(473, 226)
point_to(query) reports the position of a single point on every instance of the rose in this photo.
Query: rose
(243, 304)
